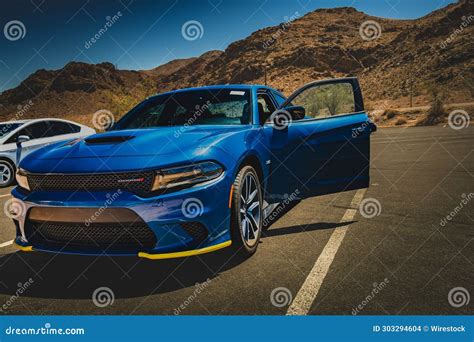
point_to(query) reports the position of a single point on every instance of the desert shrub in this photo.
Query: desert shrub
(400, 121)
(436, 112)
(391, 113)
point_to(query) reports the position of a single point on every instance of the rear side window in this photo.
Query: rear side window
(60, 128)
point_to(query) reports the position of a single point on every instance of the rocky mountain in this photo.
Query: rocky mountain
(393, 59)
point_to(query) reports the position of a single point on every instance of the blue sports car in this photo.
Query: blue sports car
(193, 171)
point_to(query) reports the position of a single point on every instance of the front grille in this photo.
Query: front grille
(96, 237)
(136, 182)
(196, 230)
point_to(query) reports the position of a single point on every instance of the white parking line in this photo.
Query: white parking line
(308, 292)
(6, 195)
(5, 244)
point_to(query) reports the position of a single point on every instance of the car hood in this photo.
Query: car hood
(141, 142)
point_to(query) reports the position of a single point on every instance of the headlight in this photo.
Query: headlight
(22, 180)
(186, 175)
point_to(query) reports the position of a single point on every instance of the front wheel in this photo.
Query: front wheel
(246, 211)
(7, 174)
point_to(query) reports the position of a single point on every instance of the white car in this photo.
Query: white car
(34, 134)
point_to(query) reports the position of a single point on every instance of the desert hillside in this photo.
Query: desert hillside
(409, 57)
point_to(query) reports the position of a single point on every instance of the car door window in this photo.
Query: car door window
(265, 107)
(326, 100)
(34, 131)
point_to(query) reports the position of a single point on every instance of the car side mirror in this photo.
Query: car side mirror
(296, 112)
(283, 117)
(22, 139)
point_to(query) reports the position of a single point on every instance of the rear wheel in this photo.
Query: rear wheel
(7, 174)
(246, 215)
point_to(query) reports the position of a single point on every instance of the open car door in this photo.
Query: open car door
(327, 148)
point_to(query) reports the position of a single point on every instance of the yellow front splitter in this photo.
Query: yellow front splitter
(185, 253)
(159, 256)
(23, 248)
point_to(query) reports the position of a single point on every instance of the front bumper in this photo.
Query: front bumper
(165, 216)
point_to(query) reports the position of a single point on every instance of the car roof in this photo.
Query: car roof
(36, 120)
(218, 86)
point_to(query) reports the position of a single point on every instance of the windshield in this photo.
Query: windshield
(6, 128)
(194, 107)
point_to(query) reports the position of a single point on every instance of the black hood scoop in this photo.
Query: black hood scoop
(111, 139)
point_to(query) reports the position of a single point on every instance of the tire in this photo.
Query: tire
(7, 173)
(246, 212)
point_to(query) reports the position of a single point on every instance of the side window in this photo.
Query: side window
(265, 107)
(326, 100)
(278, 98)
(34, 131)
(60, 128)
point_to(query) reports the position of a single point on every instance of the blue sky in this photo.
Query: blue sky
(149, 33)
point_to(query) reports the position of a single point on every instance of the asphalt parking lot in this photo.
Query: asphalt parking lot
(403, 260)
